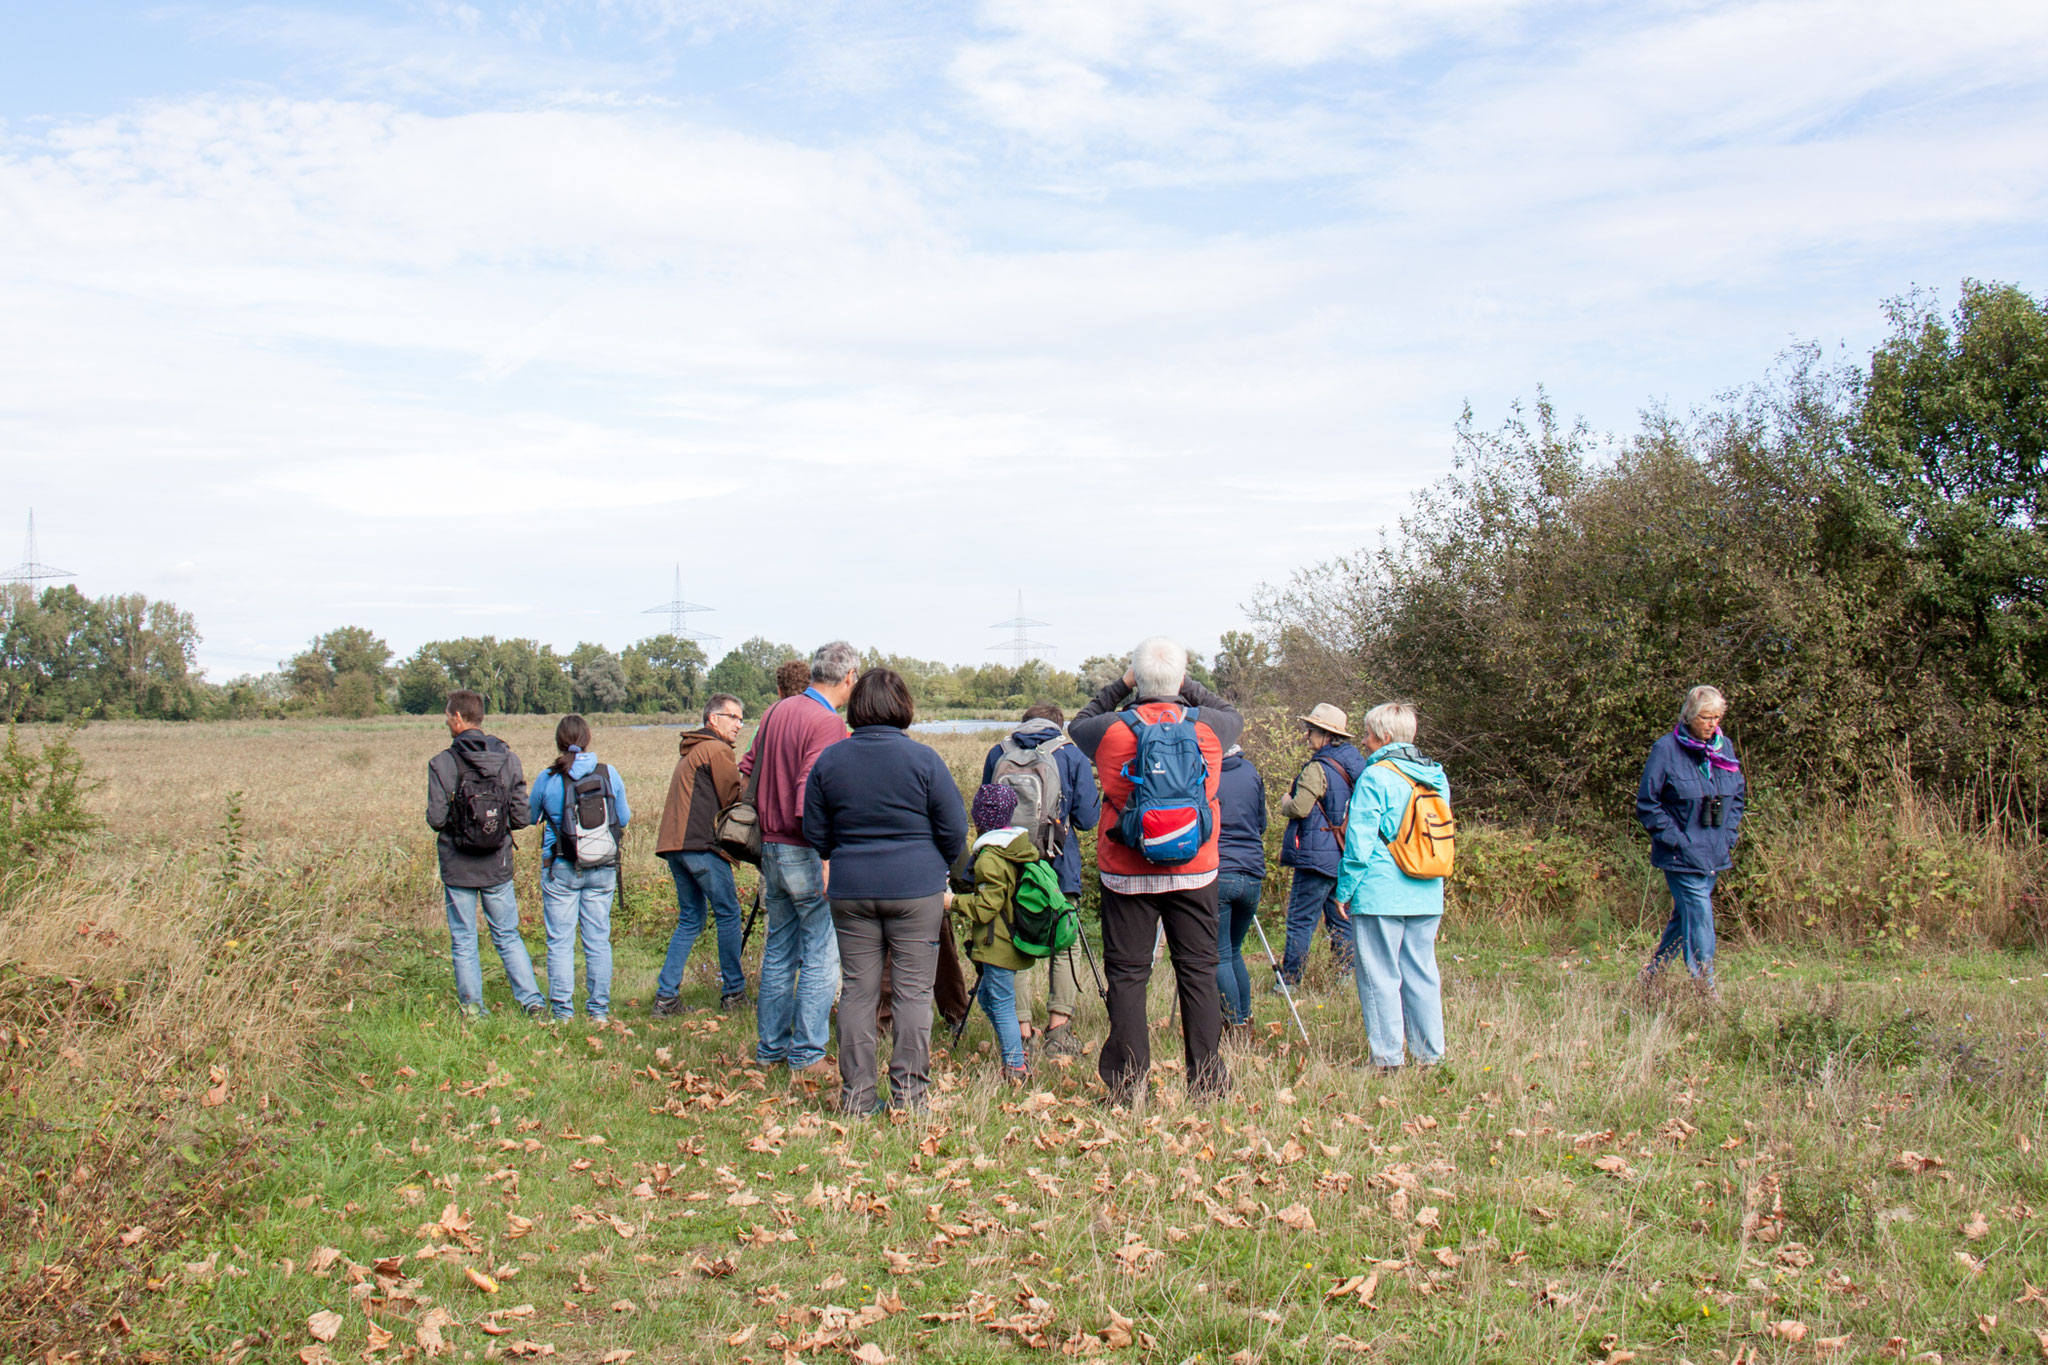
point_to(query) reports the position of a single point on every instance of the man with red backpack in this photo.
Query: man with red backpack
(1159, 760)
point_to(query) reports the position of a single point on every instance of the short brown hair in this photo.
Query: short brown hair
(1045, 710)
(792, 678)
(880, 698)
(466, 705)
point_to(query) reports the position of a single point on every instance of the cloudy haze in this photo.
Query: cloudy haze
(462, 319)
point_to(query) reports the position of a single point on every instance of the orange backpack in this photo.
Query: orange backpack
(1426, 845)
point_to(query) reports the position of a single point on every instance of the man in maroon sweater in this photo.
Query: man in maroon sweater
(800, 961)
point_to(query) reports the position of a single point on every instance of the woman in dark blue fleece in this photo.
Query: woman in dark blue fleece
(884, 813)
(1690, 801)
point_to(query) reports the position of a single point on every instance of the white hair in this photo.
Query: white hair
(1159, 666)
(1391, 721)
(833, 662)
(1698, 699)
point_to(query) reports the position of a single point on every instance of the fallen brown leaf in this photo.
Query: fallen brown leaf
(324, 1325)
(479, 1279)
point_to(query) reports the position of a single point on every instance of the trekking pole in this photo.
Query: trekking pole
(753, 914)
(1281, 977)
(967, 1014)
(1101, 987)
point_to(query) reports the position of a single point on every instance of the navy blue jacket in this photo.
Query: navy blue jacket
(1317, 843)
(1242, 796)
(1668, 804)
(885, 812)
(1080, 799)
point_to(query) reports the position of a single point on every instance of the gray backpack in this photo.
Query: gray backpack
(1034, 774)
(587, 836)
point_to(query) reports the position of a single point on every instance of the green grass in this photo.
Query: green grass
(628, 1148)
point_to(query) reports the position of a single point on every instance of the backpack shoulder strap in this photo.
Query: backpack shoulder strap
(1415, 789)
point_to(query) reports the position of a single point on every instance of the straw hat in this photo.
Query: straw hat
(1327, 717)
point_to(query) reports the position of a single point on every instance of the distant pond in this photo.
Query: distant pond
(961, 727)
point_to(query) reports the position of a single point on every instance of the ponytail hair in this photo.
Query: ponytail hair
(572, 732)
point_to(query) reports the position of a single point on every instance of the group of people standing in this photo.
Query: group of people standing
(866, 846)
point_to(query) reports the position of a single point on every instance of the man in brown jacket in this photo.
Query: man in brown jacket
(706, 781)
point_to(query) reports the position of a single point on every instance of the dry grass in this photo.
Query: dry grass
(303, 957)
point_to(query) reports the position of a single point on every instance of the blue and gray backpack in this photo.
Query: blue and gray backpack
(1168, 817)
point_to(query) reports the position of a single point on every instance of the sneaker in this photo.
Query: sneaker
(536, 1010)
(1017, 1077)
(666, 1005)
(737, 1000)
(815, 1077)
(1059, 1041)
(1282, 986)
(471, 1010)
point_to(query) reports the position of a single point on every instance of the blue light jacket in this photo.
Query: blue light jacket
(544, 799)
(1372, 883)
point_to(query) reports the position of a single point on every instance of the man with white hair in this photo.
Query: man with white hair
(1157, 856)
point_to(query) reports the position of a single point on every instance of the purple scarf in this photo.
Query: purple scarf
(1702, 752)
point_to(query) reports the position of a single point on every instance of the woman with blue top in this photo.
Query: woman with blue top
(1240, 880)
(581, 806)
(883, 811)
(1690, 800)
(1393, 916)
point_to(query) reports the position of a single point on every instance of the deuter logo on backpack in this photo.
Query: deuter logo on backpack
(1167, 818)
(1034, 774)
(586, 834)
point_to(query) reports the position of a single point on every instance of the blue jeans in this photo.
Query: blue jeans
(1313, 898)
(703, 883)
(799, 963)
(500, 907)
(1394, 960)
(577, 899)
(1692, 923)
(998, 996)
(1237, 905)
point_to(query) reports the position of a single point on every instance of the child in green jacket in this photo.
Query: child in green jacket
(997, 857)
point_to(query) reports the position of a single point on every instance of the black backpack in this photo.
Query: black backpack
(480, 811)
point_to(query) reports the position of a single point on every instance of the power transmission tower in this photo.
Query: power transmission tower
(1021, 646)
(677, 609)
(32, 571)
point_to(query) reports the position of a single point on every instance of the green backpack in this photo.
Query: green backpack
(1041, 917)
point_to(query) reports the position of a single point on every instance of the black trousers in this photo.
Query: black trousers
(1130, 927)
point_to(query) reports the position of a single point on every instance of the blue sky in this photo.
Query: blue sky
(459, 319)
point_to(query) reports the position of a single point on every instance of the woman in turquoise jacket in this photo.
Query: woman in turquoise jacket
(1393, 916)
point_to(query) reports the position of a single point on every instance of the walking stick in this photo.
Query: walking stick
(752, 915)
(1279, 976)
(972, 996)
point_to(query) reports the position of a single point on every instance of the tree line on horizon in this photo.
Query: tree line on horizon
(65, 656)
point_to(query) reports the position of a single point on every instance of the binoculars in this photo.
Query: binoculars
(1713, 809)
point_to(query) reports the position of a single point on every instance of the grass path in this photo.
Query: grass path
(1591, 1178)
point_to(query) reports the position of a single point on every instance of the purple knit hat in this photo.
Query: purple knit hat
(994, 804)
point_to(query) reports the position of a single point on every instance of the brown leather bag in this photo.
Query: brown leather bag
(738, 829)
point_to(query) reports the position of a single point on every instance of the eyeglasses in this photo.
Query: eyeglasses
(727, 715)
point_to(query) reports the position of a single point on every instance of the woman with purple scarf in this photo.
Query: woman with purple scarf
(1690, 801)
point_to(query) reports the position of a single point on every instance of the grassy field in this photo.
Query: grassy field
(246, 1124)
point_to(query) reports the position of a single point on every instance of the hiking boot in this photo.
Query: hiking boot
(471, 1010)
(1059, 1041)
(666, 1006)
(737, 1000)
(1017, 1077)
(815, 1077)
(536, 1011)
